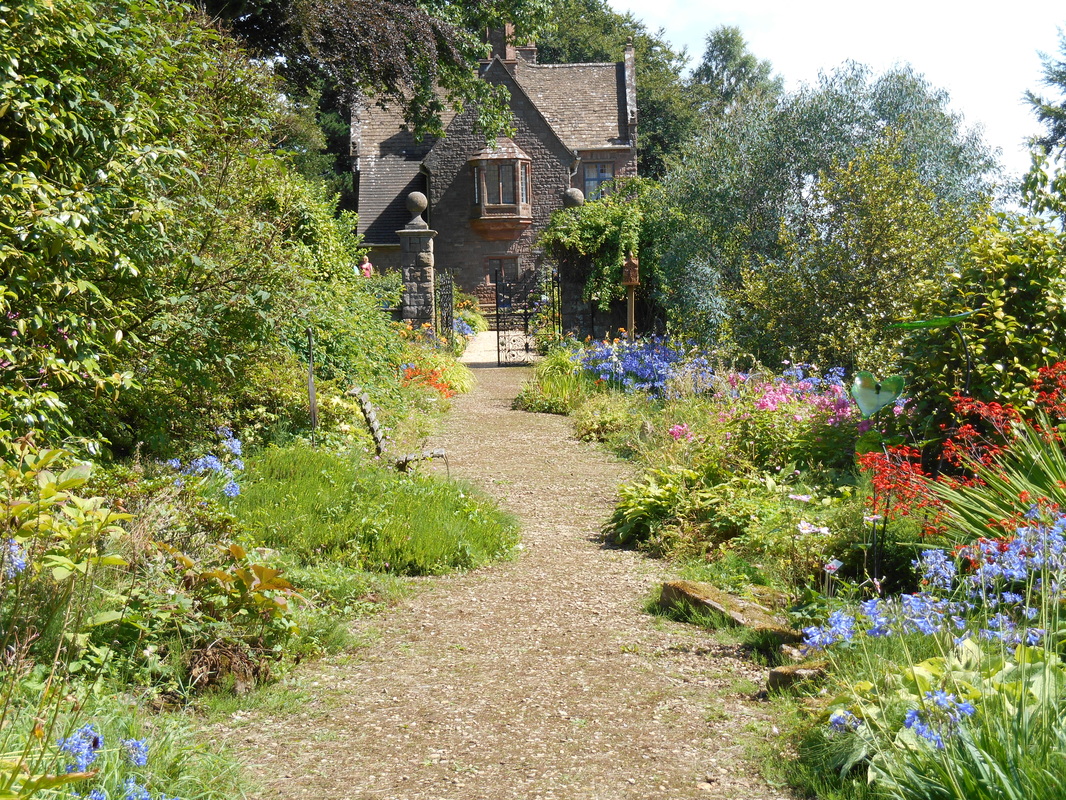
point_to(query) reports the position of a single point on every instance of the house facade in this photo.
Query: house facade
(575, 126)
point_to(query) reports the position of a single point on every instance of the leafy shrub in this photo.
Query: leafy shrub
(611, 418)
(1012, 282)
(558, 385)
(984, 717)
(58, 624)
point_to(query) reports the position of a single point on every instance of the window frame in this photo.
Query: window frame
(597, 181)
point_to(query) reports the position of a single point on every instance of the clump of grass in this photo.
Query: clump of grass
(328, 507)
(558, 385)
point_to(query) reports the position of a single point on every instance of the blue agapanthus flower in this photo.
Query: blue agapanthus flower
(839, 628)
(644, 365)
(205, 464)
(937, 569)
(135, 791)
(231, 489)
(83, 745)
(843, 721)
(14, 558)
(135, 751)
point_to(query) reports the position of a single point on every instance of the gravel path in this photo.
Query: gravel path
(537, 678)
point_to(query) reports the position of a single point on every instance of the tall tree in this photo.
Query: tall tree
(870, 246)
(589, 30)
(1052, 112)
(405, 52)
(729, 73)
(749, 197)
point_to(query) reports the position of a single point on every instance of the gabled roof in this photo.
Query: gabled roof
(389, 164)
(496, 72)
(585, 106)
(584, 103)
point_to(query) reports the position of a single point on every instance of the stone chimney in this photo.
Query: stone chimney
(631, 91)
(502, 41)
(527, 52)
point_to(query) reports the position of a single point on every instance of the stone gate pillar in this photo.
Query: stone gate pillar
(416, 258)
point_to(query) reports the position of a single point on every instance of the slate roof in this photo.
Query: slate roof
(587, 106)
(584, 103)
(390, 163)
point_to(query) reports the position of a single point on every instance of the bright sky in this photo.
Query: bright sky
(984, 58)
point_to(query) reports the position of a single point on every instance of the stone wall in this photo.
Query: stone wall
(451, 194)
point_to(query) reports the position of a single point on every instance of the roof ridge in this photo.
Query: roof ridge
(575, 64)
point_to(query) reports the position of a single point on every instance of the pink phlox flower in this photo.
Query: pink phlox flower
(680, 431)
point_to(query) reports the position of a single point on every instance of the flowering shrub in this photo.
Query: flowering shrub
(212, 468)
(58, 548)
(995, 692)
(644, 365)
(431, 379)
(994, 464)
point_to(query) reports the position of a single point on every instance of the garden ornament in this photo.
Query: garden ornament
(872, 395)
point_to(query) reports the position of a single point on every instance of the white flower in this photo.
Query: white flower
(807, 528)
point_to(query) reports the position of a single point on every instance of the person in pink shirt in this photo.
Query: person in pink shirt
(366, 267)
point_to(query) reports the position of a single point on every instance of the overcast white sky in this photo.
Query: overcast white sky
(985, 56)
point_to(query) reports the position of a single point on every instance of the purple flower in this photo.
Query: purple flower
(136, 751)
(84, 745)
(14, 558)
(680, 431)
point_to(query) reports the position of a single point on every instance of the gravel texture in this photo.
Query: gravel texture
(541, 677)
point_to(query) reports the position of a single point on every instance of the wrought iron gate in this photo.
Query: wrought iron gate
(444, 297)
(525, 310)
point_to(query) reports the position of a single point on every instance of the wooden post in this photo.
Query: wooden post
(631, 312)
(630, 280)
(312, 399)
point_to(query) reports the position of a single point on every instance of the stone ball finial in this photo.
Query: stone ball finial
(416, 204)
(572, 198)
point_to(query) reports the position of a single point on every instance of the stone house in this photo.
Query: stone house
(575, 127)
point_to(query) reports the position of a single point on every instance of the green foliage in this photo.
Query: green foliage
(57, 625)
(164, 238)
(348, 510)
(1012, 280)
(591, 242)
(872, 246)
(420, 56)
(557, 385)
(735, 191)
(91, 152)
